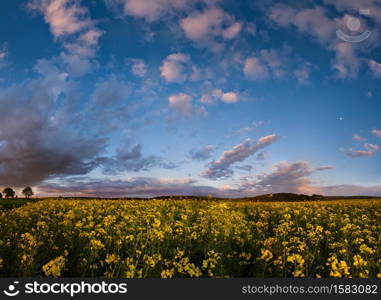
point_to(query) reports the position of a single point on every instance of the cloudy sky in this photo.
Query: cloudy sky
(222, 97)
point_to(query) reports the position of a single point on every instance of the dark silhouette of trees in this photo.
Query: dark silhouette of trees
(1, 195)
(27, 192)
(9, 192)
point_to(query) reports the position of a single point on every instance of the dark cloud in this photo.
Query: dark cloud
(130, 158)
(37, 136)
(324, 168)
(133, 187)
(285, 177)
(352, 190)
(202, 153)
(221, 168)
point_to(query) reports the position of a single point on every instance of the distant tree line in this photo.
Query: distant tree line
(8, 192)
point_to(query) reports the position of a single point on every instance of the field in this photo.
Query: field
(190, 238)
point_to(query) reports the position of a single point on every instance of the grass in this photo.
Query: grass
(6, 203)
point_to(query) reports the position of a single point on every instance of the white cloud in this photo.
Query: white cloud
(358, 138)
(316, 23)
(309, 20)
(150, 10)
(69, 22)
(138, 66)
(232, 31)
(211, 96)
(207, 26)
(221, 167)
(182, 103)
(376, 132)
(64, 17)
(173, 68)
(369, 150)
(303, 73)
(375, 67)
(229, 97)
(255, 69)
(3, 53)
(324, 168)
(346, 63)
(254, 125)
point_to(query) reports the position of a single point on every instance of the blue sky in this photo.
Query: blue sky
(153, 97)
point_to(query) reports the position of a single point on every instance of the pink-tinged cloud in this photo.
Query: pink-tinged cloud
(369, 150)
(324, 168)
(65, 17)
(207, 26)
(358, 138)
(220, 168)
(376, 132)
(375, 67)
(182, 103)
(290, 177)
(173, 68)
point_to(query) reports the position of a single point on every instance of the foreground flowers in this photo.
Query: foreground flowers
(165, 238)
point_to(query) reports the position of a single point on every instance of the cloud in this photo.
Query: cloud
(253, 126)
(109, 105)
(221, 168)
(40, 139)
(202, 153)
(133, 187)
(255, 69)
(354, 6)
(376, 132)
(182, 103)
(308, 20)
(64, 17)
(232, 31)
(324, 168)
(352, 190)
(272, 63)
(211, 95)
(70, 23)
(375, 67)
(285, 177)
(315, 22)
(358, 138)
(3, 52)
(173, 67)
(138, 66)
(370, 150)
(150, 10)
(130, 158)
(208, 26)
(229, 97)
(303, 73)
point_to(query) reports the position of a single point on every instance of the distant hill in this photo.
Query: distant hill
(276, 197)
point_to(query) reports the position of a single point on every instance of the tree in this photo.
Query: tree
(1, 195)
(27, 192)
(9, 192)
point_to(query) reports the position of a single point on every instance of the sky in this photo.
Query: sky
(115, 98)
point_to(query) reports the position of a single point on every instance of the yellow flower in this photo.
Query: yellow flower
(266, 255)
(112, 258)
(54, 267)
